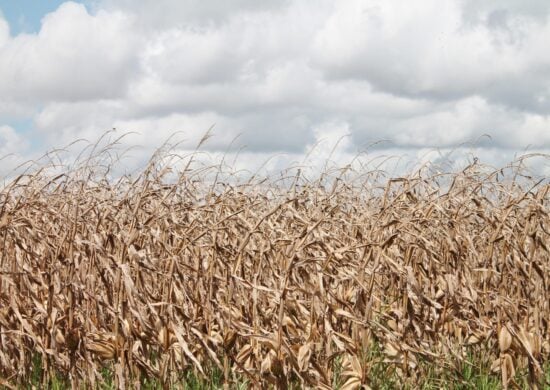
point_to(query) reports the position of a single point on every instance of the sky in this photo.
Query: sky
(24, 16)
(423, 80)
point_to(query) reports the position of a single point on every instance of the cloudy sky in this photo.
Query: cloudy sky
(427, 78)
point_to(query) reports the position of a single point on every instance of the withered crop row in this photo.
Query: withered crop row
(270, 282)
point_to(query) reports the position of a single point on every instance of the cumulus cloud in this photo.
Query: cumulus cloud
(498, 13)
(158, 14)
(428, 50)
(10, 141)
(11, 144)
(75, 56)
(281, 75)
(4, 31)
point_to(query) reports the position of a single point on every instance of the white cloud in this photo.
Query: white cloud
(4, 31)
(283, 74)
(427, 50)
(169, 13)
(497, 12)
(75, 56)
(10, 142)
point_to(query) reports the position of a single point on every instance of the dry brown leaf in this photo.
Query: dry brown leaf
(351, 384)
(504, 339)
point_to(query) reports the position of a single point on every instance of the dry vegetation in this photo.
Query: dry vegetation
(279, 282)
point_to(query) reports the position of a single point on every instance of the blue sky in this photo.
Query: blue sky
(429, 76)
(25, 15)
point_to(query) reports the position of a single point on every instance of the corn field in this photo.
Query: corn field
(275, 282)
